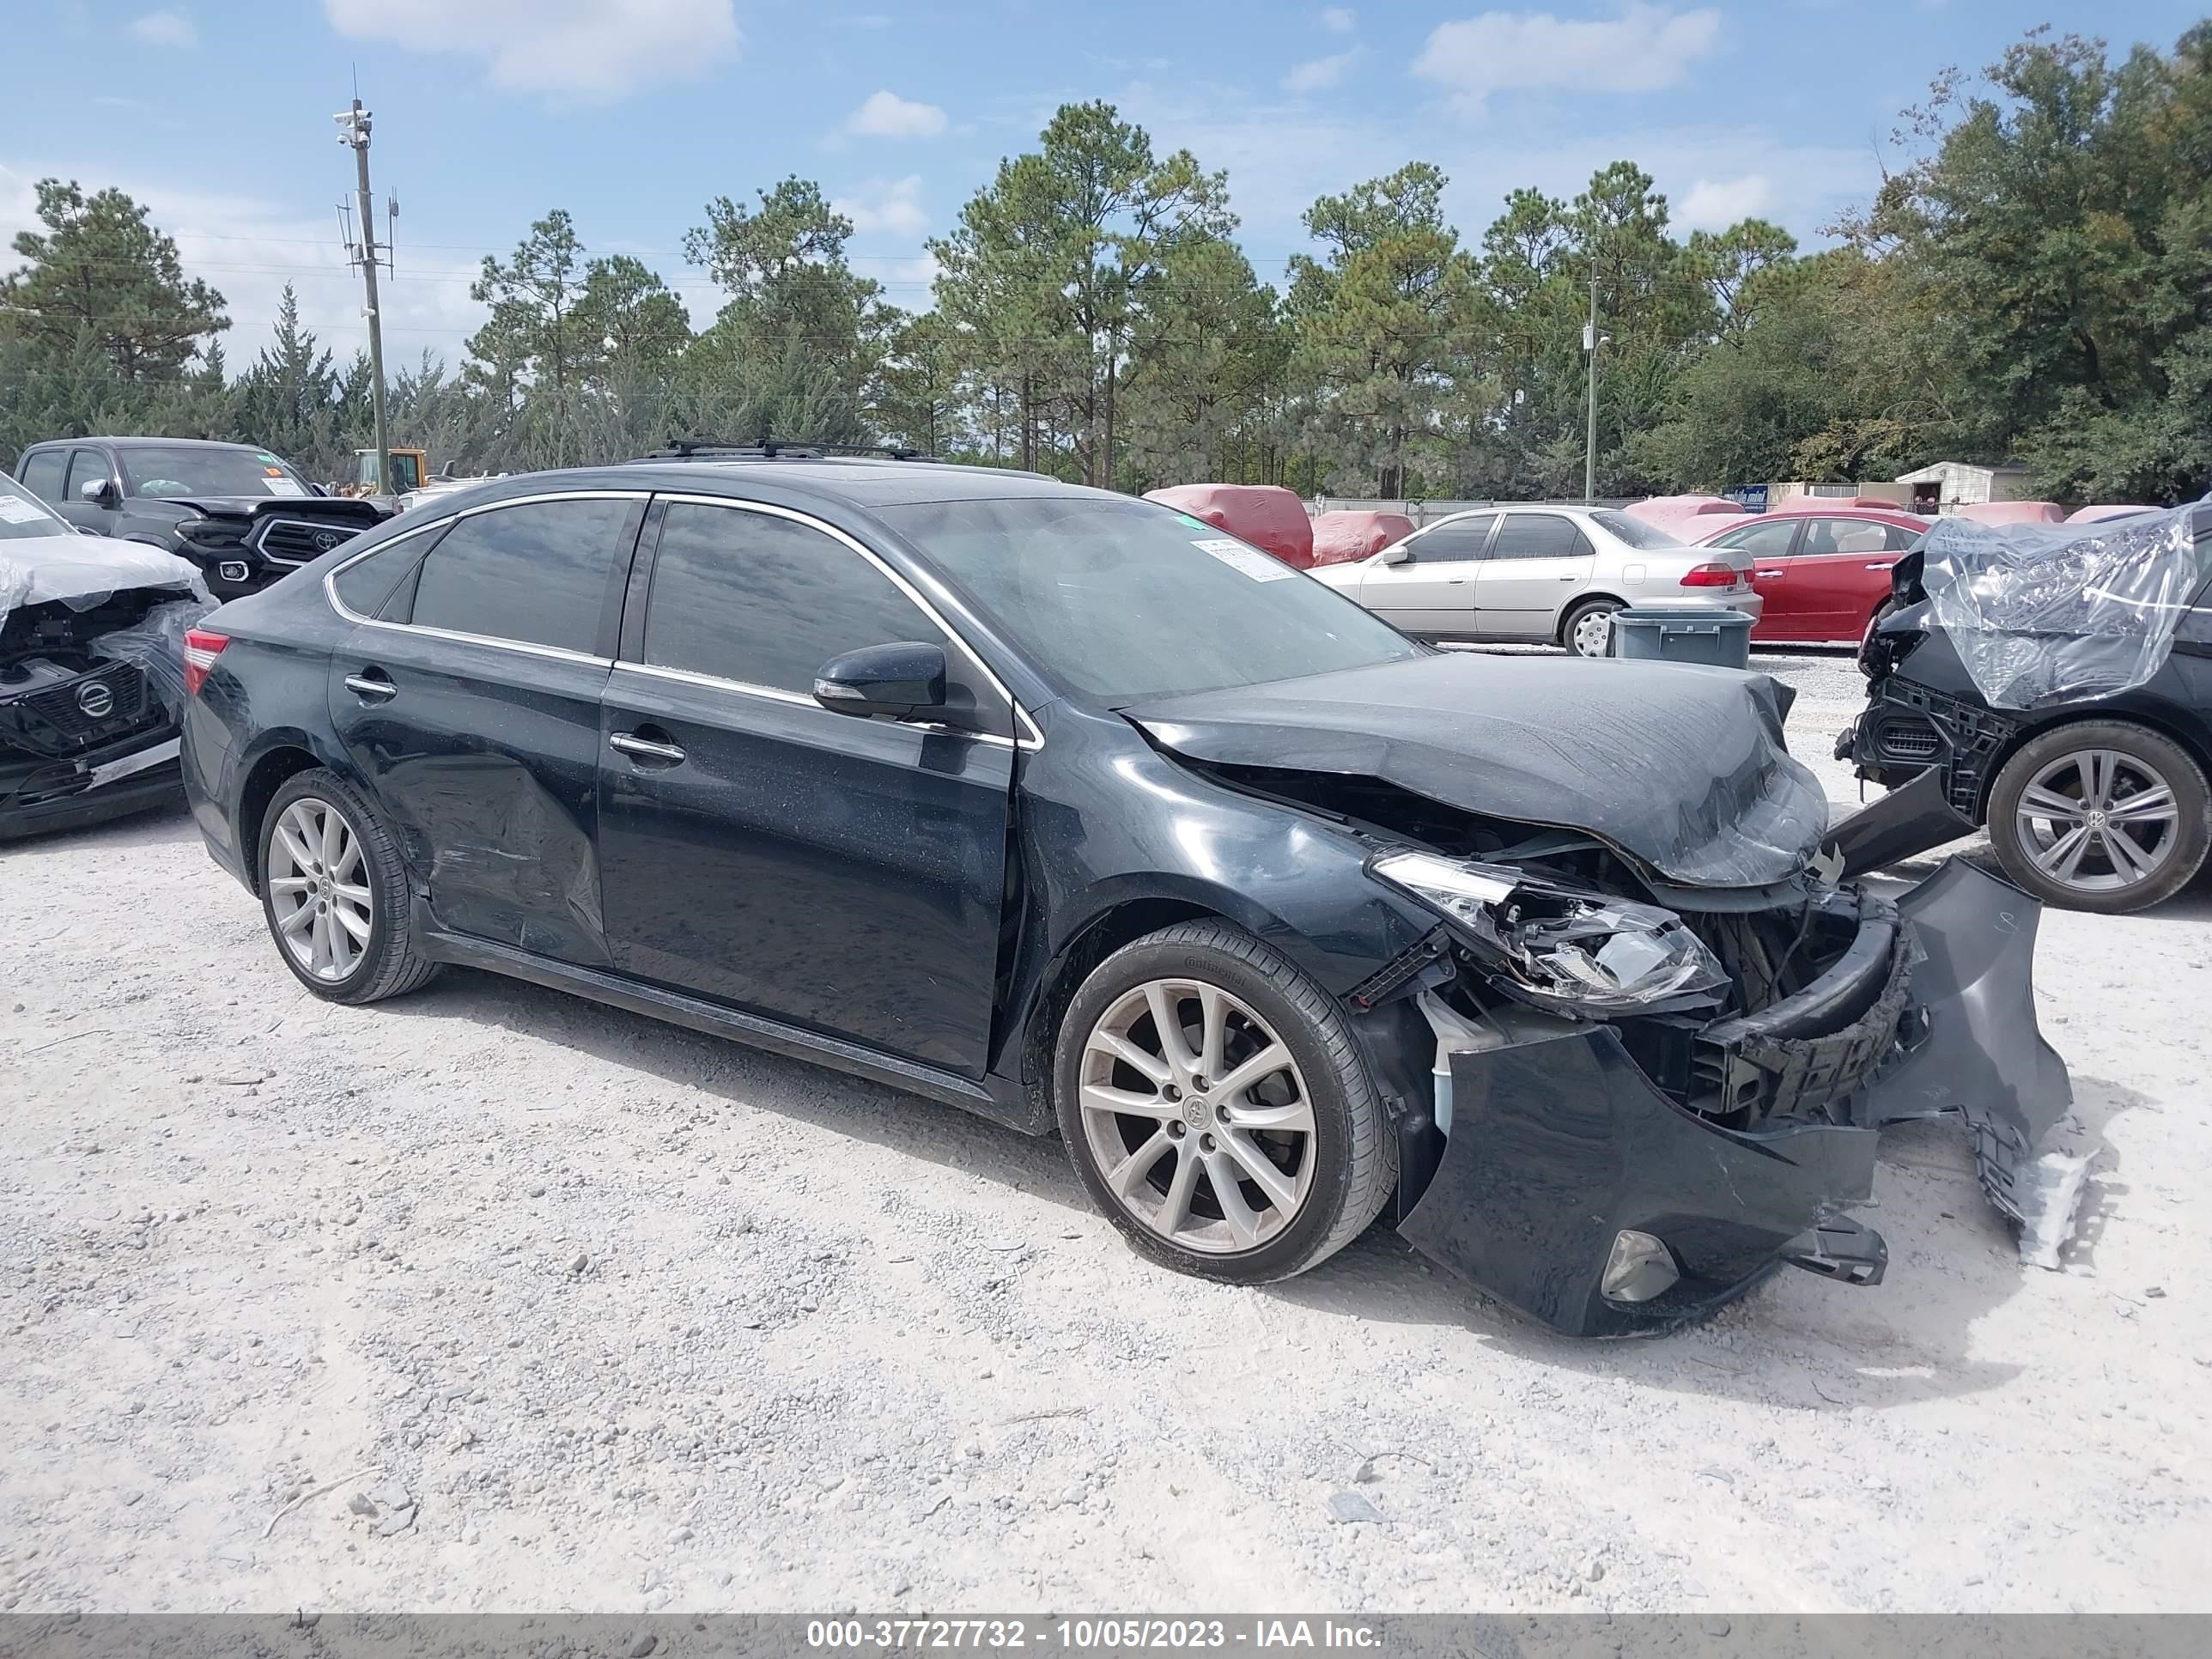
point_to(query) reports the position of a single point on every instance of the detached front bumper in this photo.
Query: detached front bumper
(1563, 1153)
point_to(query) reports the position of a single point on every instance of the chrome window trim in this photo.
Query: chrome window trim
(558, 653)
(776, 694)
(1030, 738)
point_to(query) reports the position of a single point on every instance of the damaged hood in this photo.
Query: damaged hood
(1682, 768)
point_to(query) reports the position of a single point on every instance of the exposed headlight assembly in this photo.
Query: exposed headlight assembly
(1560, 946)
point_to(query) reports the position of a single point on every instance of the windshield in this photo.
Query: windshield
(1128, 599)
(21, 518)
(1625, 527)
(151, 470)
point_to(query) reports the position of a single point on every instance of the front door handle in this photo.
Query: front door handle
(372, 685)
(1767, 573)
(1883, 564)
(646, 748)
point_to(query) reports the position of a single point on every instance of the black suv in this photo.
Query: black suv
(2095, 798)
(241, 514)
(1069, 810)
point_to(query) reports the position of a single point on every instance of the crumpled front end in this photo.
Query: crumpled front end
(1618, 1170)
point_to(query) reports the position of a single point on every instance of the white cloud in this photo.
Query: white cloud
(1319, 73)
(887, 115)
(892, 206)
(172, 29)
(1645, 48)
(590, 50)
(1337, 20)
(1716, 204)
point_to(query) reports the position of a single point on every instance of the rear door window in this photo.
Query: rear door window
(765, 601)
(1454, 543)
(1845, 535)
(1539, 536)
(41, 474)
(537, 574)
(1771, 540)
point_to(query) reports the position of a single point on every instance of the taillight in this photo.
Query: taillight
(1712, 575)
(202, 647)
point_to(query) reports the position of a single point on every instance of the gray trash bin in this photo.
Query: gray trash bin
(1667, 633)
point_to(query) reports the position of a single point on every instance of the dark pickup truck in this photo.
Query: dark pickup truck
(242, 515)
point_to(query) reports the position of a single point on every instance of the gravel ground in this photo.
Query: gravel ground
(492, 1298)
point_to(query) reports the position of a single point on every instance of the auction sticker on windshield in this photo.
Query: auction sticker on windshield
(13, 509)
(1237, 556)
(282, 487)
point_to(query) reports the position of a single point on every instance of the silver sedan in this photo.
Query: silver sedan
(1554, 573)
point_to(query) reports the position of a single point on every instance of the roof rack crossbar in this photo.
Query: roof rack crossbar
(768, 449)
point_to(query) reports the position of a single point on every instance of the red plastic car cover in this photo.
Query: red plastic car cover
(1343, 538)
(1268, 516)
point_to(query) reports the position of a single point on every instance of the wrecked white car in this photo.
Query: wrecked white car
(92, 675)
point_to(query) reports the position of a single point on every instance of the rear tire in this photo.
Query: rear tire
(1261, 1073)
(1588, 630)
(2101, 816)
(335, 895)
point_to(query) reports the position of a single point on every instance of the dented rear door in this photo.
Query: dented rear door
(470, 707)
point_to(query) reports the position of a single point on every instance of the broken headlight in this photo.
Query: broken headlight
(1561, 946)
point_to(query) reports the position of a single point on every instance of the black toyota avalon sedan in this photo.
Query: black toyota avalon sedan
(1070, 810)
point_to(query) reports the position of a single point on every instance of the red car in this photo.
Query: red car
(1824, 570)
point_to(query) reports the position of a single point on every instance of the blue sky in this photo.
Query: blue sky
(633, 113)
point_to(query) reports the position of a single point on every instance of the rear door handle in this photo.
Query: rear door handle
(1766, 573)
(1882, 564)
(373, 685)
(646, 748)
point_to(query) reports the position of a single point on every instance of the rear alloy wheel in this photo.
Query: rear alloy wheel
(1588, 630)
(334, 892)
(1217, 1109)
(2105, 818)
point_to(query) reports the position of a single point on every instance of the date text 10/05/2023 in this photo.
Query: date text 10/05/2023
(1086, 1634)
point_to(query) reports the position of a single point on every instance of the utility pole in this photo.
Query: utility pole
(1589, 348)
(353, 132)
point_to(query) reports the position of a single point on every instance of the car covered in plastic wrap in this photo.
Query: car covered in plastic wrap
(955, 779)
(92, 669)
(2053, 683)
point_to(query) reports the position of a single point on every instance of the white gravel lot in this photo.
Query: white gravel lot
(587, 1312)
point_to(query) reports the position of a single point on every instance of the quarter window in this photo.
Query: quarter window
(1453, 542)
(1539, 536)
(762, 601)
(41, 475)
(536, 574)
(366, 584)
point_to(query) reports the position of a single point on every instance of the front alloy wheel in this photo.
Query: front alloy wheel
(318, 894)
(1217, 1108)
(2104, 816)
(1197, 1116)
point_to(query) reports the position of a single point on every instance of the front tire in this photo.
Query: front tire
(1217, 1108)
(334, 893)
(2103, 817)
(1588, 630)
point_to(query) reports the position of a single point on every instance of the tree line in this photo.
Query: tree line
(2035, 286)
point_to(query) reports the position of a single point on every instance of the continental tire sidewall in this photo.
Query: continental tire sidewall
(1320, 1227)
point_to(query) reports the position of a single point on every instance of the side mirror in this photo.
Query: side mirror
(894, 680)
(97, 492)
(1396, 553)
